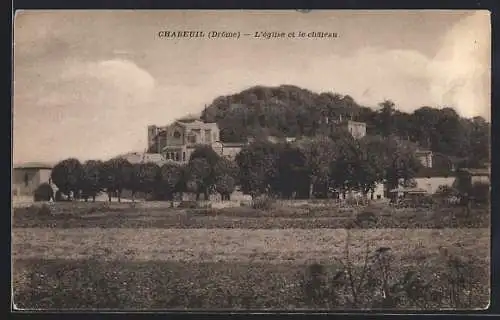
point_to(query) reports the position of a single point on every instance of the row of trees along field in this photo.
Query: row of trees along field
(309, 166)
(292, 111)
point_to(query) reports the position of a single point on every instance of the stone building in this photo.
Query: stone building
(28, 176)
(356, 129)
(425, 157)
(177, 141)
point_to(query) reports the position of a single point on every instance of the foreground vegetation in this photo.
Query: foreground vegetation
(367, 279)
(159, 215)
(230, 245)
(147, 255)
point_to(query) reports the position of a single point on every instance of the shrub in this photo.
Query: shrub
(195, 205)
(365, 219)
(426, 201)
(44, 210)
(315, 286)
(263, 202)
(44, 192)
(188, 205)
(58, 196)
(446, 191)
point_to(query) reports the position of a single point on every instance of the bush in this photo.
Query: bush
(263, 202)
(446, 191)
(44, 210)
(188, 205)
(365, 219)
(58, 196)
(426, 201)
(195, 205)
(44, 192)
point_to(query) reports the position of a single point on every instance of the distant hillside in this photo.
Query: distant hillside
(288, 110)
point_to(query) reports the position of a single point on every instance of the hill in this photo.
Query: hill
(289, 110)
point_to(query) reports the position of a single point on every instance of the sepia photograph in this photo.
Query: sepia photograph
(275, 160)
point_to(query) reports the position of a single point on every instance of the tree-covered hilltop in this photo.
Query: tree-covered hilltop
(292, 111)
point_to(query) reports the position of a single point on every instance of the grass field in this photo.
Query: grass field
(127, 256)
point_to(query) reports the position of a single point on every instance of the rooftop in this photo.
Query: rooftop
(34, 165)
(477, 171)
(139, 157)
(422, 151)
(196, 124)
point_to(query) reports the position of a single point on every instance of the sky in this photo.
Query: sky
(88, 83)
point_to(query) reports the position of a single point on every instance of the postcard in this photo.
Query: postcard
(251, 160)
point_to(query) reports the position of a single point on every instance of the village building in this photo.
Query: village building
(425, 157)
(356, 129)
(177, 141)
(144, 157)
(28, 176)
(471, 176)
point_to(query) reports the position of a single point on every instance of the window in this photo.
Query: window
(191, 137)
(177, 156)
(177, 134)
(183, 156)
(26, 179)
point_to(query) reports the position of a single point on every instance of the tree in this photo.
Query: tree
(318, 153)
(148, 178)
(385, 118)
(225, 184)
(43, 192)
(91, 179)
(205, 152)
(402, 163)
(212, 159)
(133, 183)
(170, 179)
(292, 176)
(345, 167)
(479, 141)
(426, 120)
(225, 166)
(258, 167)
(226, 177)
(292, 111)
(116, 176)
(371, 164)
(198, 177)
(67, 176)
